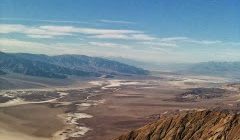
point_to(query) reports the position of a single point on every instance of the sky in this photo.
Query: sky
(156, 31)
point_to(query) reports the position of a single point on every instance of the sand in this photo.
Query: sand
(29, 122)
(7, 133)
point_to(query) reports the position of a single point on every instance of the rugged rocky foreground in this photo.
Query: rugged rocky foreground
(196, 125)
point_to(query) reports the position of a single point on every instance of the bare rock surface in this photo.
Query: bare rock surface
(193, 125)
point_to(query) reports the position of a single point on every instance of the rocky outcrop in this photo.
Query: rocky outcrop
(196, 125)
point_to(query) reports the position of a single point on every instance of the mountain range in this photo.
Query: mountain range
(62, 66)
(228, 69)
(211, 68)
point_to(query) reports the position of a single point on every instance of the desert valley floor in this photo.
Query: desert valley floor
(103, 108)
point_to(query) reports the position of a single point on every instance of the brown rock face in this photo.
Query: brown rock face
(201, 125)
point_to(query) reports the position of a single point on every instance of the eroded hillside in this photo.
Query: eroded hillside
(194, 125)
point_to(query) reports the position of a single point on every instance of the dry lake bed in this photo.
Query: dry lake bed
(103, 109)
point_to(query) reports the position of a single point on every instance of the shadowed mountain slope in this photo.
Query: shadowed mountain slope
(63, 65)
(2, 72)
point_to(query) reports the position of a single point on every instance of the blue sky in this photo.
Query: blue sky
(146, 30)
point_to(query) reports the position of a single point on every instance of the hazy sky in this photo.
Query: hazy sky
(146, 30)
